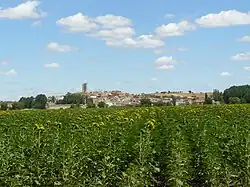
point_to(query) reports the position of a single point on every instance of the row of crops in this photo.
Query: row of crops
(173, 146)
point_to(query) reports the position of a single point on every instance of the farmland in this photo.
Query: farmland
(171, 146)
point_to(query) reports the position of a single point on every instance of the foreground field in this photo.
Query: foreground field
(173, 146)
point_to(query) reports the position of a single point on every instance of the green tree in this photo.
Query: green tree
(53, 99)
(234, 100)
(101, 104)
(173, 100)
(208, 100)
(28, 102)
(159, 103)
(40, 101)
(72, 99)
(145, 102)
(4, 106)
(90, 103)
(243, 101)
(17, 106)
(217, 95)
(241, 92)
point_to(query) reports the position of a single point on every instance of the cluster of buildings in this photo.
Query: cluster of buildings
(119, 98)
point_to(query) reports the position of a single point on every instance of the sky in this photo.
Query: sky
(53, 47)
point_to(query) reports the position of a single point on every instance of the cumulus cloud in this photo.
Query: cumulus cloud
(143, 41)
(174, 29)
(224, 19)
(165, 63)
(8, 73)
(149, 41)
(53, 46)
(116, 31)
(241, 57)
(112, 21)
(78, 23)
(52, 65)
(244, 39)
(83, 23)
(26, 10)
(225, 74)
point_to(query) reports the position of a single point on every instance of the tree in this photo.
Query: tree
(53, 99)
(4, 106)
(243, 101)
(90, 103)
(72, 99)
(159, 103)
(234, 100)
(145, 102)
(101, 104)
(28, 102)
(217, 95)
(173, 100)
(208, 100)
(40, 101)
(17, 106)
(237, 91)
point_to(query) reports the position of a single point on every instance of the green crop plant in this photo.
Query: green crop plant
(134, 147)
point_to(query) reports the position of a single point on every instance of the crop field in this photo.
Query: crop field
(171, 146)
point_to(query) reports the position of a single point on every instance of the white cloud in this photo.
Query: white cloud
(225, 74)
(127, 42)
(143, 41)
(224, 19)
(149, 41)
(165, 67)
(174, 29)
(83, 23)
(8, 73)
(247, 68)
(60, 48)
(169, 15)
(154, 79)
(165, 63)
(244, 39)
(241, 57)
(165, 60)
(117, 33)
(112, 21)
(78, 23)
(26, 10)
(52, 65)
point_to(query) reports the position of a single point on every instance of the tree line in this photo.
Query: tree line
(232, 95)
(38, 102)
(41, 102)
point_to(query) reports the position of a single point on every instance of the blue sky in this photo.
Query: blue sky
(138, 46)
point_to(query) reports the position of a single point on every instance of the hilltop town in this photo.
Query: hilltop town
(119, 98)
